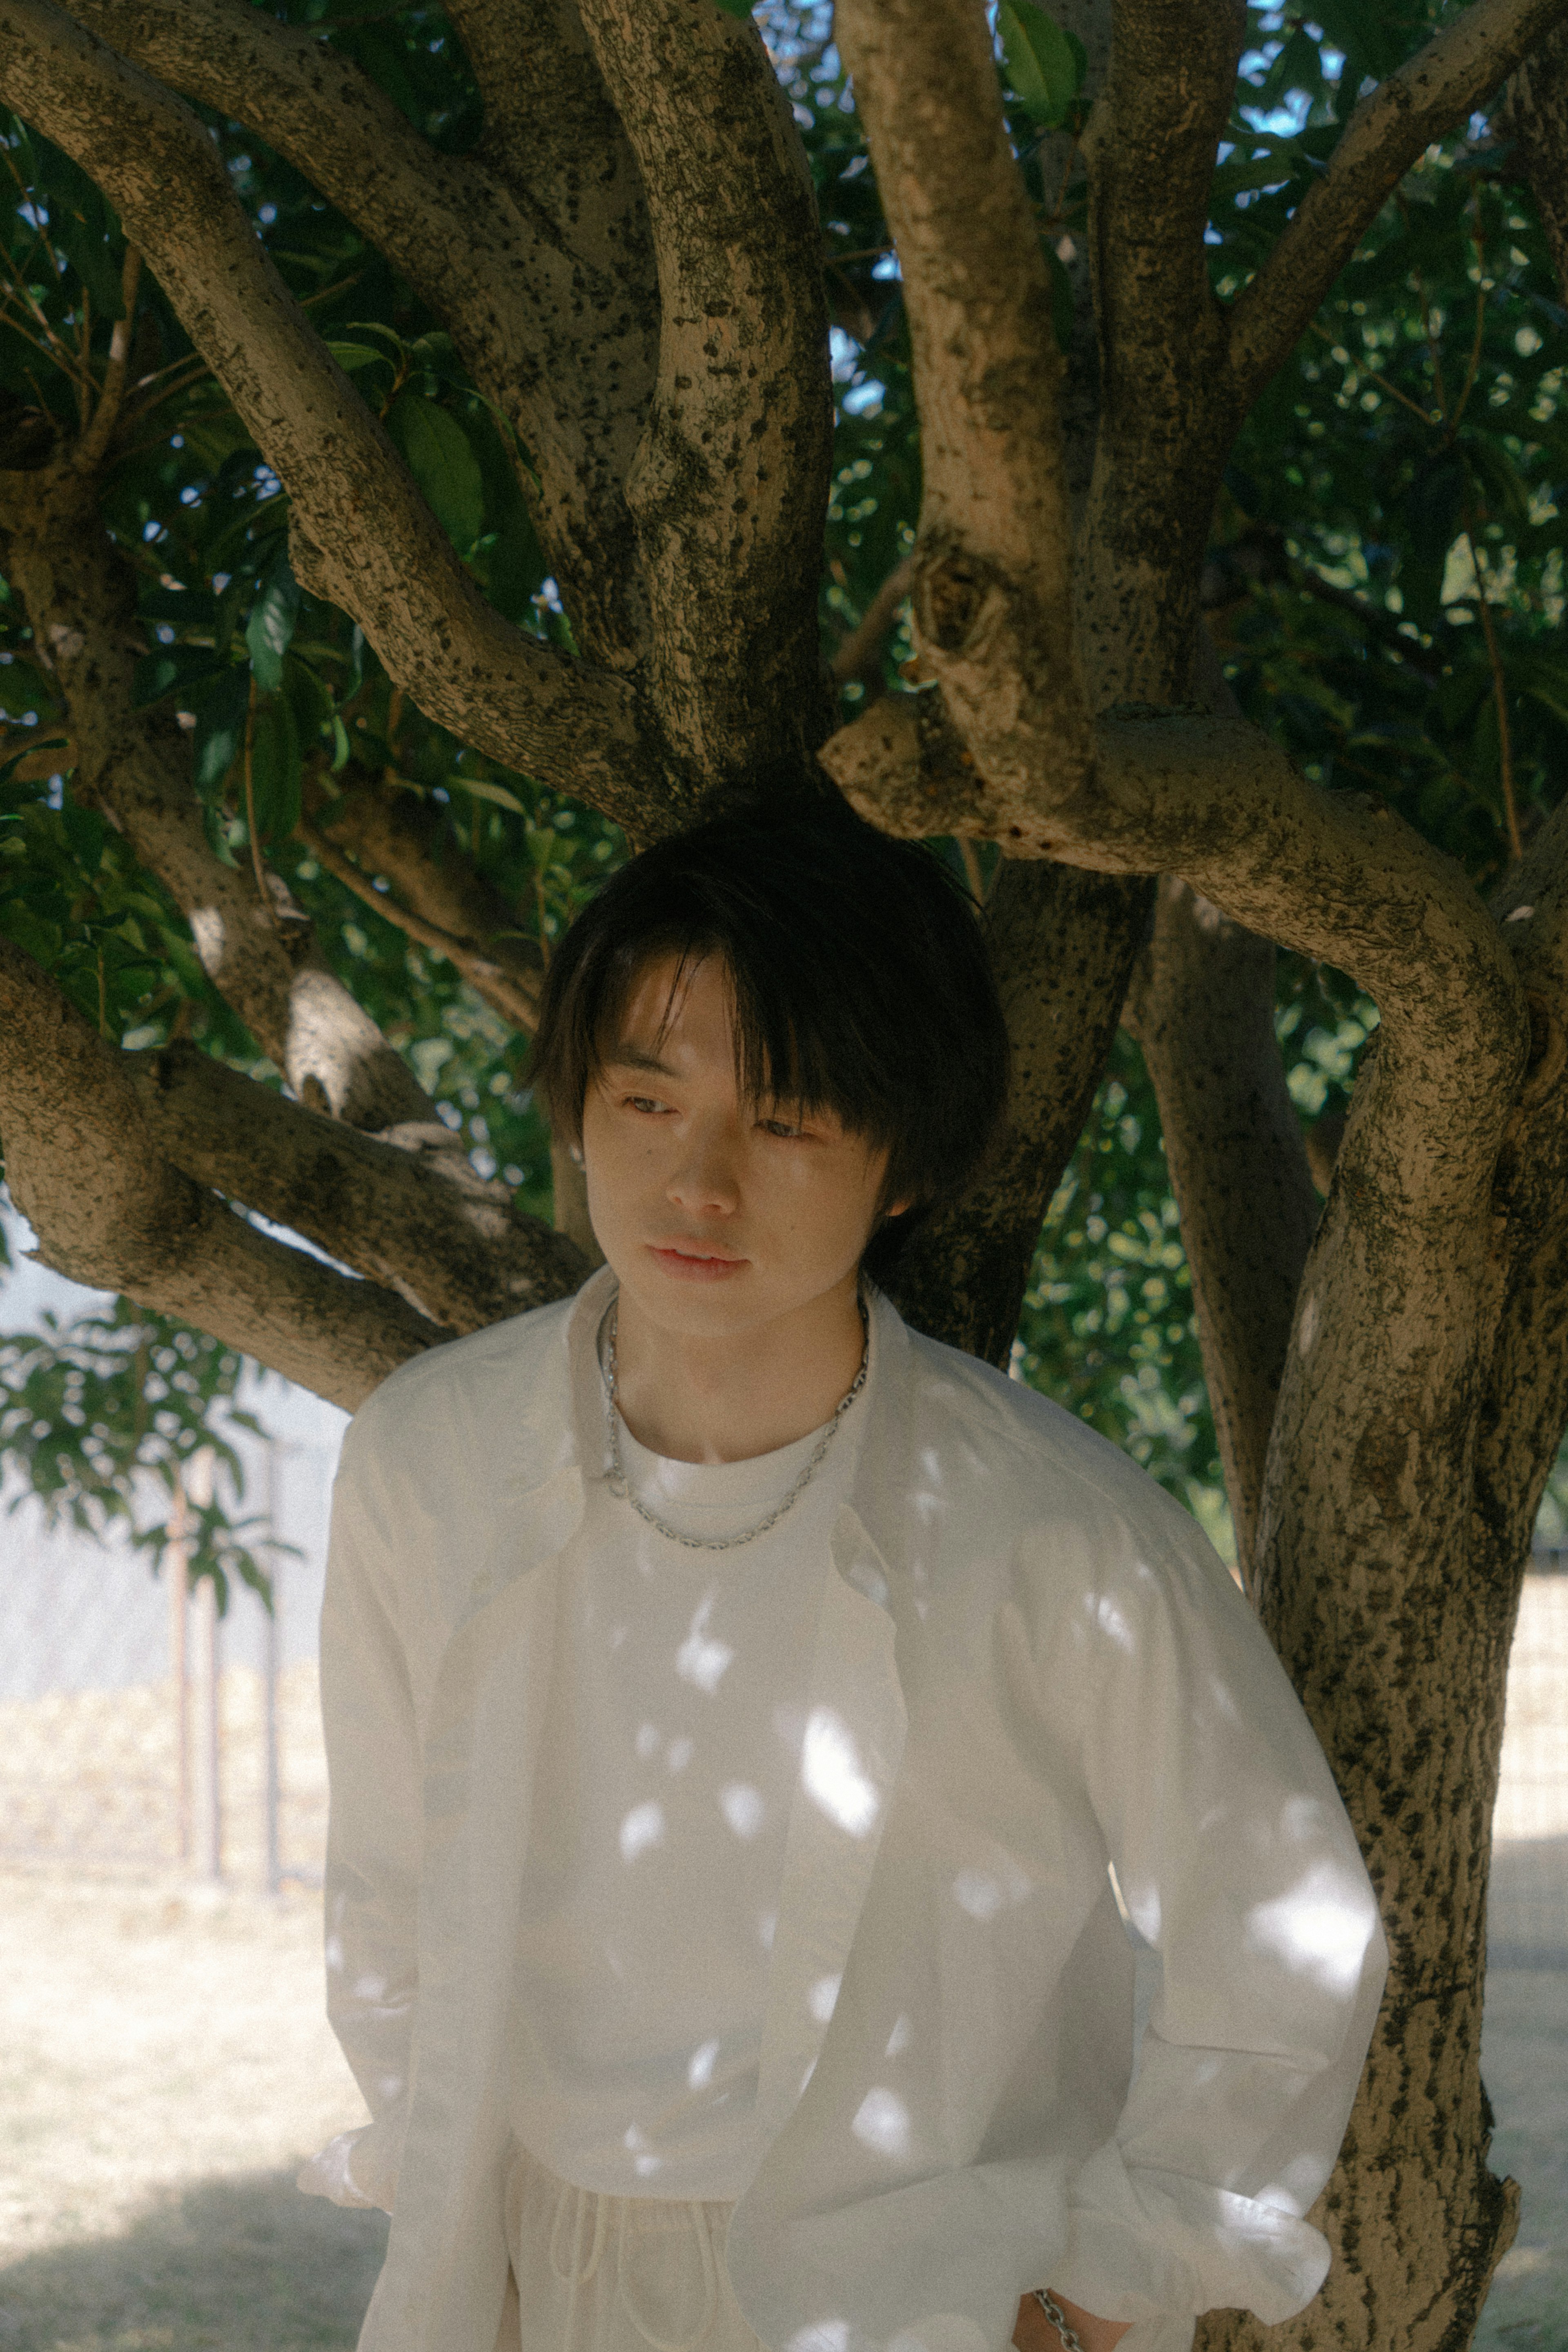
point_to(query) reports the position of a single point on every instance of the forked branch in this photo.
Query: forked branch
(538, 308)
(729, 485)
(1335, 875)
(110, 1211)
(134, 765)
(514, 992)
(991, 597)
(363, 537)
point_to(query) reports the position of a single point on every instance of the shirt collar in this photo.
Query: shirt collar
(566, 1422)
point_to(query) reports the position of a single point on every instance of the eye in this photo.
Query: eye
(782, 1127)
(648, 1104)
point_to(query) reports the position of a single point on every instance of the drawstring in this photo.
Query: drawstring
(710, 2284)
(580, 2272)
(578, 2276)
(576, 2272)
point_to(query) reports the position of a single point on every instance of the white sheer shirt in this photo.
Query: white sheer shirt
(1029, 1668)
(672, 1747)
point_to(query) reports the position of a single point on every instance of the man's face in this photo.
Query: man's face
(716, 1214)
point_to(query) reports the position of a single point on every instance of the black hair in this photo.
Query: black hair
(861, 986)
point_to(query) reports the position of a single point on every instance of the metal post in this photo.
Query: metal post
(209, 1790)
(178, 1559)
(271, 1780)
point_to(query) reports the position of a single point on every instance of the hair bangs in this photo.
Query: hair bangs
(859, 985)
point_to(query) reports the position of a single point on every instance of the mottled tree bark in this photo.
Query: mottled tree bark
(1062, 944)
(1202, 1010)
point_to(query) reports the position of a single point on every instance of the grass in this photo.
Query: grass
(243, 2262)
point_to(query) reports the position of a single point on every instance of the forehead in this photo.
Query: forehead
(668, 992)
(674, 1012)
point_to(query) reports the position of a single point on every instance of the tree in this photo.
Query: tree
(517, 316)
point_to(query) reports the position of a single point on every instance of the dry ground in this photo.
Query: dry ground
(164, 2065)
(1524, 2043)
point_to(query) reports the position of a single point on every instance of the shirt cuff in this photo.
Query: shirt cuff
(1143, 2243)
(358, 2168)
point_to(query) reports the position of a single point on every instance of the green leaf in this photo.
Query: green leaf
(1045, 66)
(40, 939)
(437, 453)
(271, 623)
(275, 770)
(741, 8)
(168, 669)
(86, 830)
(351, 357)
(220, 707)
(24, 688)
(484, 790)
(307, 699)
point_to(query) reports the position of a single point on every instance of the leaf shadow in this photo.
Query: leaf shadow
(243, 2260)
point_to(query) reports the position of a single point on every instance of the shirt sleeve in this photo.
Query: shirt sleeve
(373, 1833)
(1238, 1869)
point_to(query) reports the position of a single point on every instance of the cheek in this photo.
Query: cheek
(837, 1201)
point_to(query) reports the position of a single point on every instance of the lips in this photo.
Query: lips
(691, 1261)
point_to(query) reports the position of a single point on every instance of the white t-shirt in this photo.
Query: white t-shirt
(673, 1740)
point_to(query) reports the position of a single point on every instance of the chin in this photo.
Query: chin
(699, 1303)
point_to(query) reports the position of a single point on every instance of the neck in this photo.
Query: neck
(704, 1398)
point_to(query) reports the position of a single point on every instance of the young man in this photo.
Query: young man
(751, 1724)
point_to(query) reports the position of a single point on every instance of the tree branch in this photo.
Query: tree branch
(729, 486)
(1062, 945)
(363, 536)
(992, 568)
(1202, 1010)
(1334, 875)
(542, 300)
(1166, 421)
(552, 134)
(135, 766)
(1525, 1404)
(1534, 115)
(93, 447)
(514, 994)
(859, 658)
(109, 1210)
(1458, 70)
(407, 1209)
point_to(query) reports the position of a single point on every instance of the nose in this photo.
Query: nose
(705, 1182)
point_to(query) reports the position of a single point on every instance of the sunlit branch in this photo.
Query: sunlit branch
(498, 986)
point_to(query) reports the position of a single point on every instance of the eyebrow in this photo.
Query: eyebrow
(627, 1057)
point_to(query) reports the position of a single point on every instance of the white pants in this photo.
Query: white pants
(593, 2272)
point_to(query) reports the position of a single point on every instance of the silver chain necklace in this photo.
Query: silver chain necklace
(1058, 2319)
(619, 1486)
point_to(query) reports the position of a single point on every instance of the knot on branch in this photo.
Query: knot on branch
(952, 591)
(904, 768)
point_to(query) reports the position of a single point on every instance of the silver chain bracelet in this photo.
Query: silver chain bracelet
(1071, 2340)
